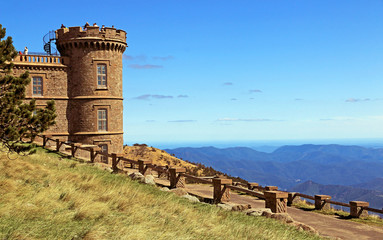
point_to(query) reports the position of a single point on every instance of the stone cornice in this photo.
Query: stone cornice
(96, 97)
(39, 66)
(57, 133)
(73, 98)
(47, 98)
(97, 133)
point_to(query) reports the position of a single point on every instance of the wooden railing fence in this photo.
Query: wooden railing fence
(274, 199)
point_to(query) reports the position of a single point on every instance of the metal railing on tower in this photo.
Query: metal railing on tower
(48, 39)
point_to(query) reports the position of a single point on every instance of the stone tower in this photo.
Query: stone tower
(94, 84)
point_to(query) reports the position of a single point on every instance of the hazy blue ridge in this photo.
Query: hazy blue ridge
(288, 166)
(374, 184)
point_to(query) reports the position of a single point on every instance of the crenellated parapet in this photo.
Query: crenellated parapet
(107, 38)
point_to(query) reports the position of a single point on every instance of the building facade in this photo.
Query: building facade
(85, 82)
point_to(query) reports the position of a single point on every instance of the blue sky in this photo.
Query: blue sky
(240, 70)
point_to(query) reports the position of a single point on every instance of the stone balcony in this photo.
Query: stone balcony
(40, 60)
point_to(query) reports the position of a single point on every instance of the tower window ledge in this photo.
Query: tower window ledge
(101, 88)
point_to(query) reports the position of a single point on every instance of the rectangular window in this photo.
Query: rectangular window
(37, 85)
(101, 75)
(102, 120)
(104, 149)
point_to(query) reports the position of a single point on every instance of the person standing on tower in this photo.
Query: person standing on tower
(25, 51)
(86, 25)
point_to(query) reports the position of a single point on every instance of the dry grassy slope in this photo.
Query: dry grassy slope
(45, 196)
(158, 157)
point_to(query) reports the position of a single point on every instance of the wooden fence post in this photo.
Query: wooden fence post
(271, 188)
(252, 186)
(142, 166)
(320, 202)
(291, 198)
(114, 162)
(72, 148)
(176, 180)
(276, 201)
(356, 209)
(221, 193)
(58, 145)
(93, 153)
(44, 140)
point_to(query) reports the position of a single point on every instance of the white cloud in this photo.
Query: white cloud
(255, 91)
(182, 121)
(358, 100)
(244, 120)
(150, 96)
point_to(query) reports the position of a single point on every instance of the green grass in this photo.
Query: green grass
(44, 196)
(370, 220)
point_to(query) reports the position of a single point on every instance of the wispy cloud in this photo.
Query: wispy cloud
(338, 119)
(158, 96)
(353, 100)
(326, 119)
(151, 96)
(134, 58)
(346, 118)
(255, 91)
(358, 100)
(233, 99)
(144, 66)
(244, 120)
(163, 58)
(227, 83)
(150, 121)
(298, 99)
(182, 121)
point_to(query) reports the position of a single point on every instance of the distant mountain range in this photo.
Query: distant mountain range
(374, 184)
(288, 166)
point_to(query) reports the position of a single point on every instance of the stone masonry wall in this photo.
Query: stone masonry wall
(54, 87)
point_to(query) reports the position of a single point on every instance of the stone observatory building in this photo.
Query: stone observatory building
(86, 83)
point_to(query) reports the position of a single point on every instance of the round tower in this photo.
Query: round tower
(94, 85)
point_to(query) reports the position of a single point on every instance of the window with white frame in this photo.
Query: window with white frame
(37, 86)
(102, 120)
(101, 75)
